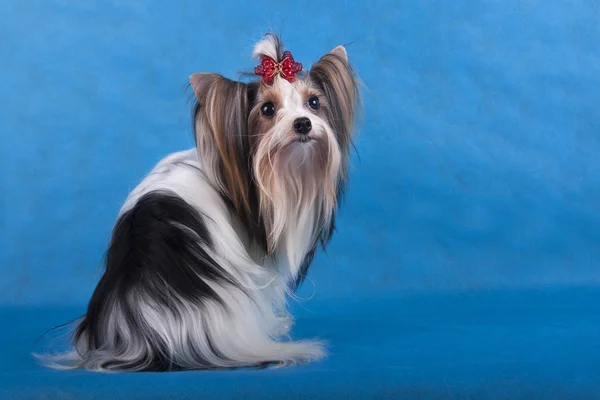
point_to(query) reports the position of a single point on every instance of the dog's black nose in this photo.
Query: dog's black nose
(302, 125)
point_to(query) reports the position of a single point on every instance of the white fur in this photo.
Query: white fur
(267, 46)
(298, 196)
(247, 331)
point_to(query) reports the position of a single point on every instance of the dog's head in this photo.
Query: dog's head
(277, 147)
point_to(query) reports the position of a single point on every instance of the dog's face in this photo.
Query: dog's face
(279, 148)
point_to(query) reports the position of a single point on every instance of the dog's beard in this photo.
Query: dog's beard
(298, 179)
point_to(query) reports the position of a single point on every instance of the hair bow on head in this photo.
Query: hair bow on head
(287, 68)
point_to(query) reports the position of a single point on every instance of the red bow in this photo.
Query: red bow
(287, 68)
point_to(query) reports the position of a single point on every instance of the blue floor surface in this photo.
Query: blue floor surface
(488, 345)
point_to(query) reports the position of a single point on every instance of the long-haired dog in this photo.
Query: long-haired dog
(208, 246)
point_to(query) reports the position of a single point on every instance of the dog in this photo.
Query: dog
(208, 247)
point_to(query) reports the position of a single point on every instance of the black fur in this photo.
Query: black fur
(154, 250)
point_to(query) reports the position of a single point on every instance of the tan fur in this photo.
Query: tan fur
(221, 137)
(245, 149)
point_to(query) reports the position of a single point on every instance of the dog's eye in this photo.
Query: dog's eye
(268, 110)
(313, 102)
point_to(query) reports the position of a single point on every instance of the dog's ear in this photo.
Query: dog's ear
(221, 127)
(201, 83)
(335, 77)
(341, 52)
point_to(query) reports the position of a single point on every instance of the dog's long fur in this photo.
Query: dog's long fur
(207, 247)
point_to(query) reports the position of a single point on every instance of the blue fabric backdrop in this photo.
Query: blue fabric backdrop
(473, 212)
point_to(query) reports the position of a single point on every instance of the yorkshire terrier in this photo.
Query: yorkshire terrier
(207, 248)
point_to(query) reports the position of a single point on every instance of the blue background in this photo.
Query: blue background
(466, 261)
